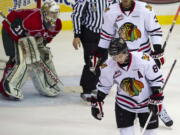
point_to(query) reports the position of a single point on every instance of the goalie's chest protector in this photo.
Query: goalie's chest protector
(33, 23)
(132, 87)
(133, 25)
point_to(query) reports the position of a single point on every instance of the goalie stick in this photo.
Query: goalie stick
(167, 78)
(42, 64)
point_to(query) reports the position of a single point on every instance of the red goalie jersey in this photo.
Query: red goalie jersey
(30, 22)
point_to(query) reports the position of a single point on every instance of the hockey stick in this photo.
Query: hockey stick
(147, 122)
(42, 64)
(167, 78)
(172, 26)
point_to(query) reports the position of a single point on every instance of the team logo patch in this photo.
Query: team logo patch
(119, 18)
(131, 86)
(145, 57)
(103, 65)
(116, 74)
(106, 9)
(149, 7)
(93, 6)
(129, 32)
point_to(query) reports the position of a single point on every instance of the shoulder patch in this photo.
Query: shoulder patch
(145, 57)
(149, 7)
(106, 9)
(103, 65)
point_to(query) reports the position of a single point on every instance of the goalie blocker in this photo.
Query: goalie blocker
(28, 61)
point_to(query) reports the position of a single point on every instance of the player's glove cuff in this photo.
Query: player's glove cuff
(158, 55)
(155, 103)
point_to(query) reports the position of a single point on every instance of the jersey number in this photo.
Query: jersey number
(155, 68)
(18, 30)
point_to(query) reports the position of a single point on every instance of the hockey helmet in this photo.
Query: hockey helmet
(117, 46)
(50, 11)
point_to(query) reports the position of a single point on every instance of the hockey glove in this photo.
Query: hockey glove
(96, 105)
(157, 55)
(99, 57)
(96, 110)
(155, 101)
(17, 27)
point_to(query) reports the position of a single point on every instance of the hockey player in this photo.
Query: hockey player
(25, 34)
(139, 82)
(137, 24)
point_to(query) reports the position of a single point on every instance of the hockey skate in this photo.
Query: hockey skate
(165, 118)
(85, 97)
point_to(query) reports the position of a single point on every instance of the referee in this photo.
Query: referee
(87, 19)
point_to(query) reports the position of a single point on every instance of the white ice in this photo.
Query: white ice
(67, 114)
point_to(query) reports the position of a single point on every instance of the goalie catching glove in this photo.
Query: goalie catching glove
(96, 105)
(158, 55)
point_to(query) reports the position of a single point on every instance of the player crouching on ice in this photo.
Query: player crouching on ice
(25, 34)
(139, 82)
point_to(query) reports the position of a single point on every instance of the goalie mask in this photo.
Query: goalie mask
(50, 11)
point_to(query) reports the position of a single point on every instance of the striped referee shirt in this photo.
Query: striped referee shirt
(89, 13)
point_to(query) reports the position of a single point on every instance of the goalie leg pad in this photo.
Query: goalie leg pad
(45, 54)
(15, 80)
(30, 49)
(45, 78)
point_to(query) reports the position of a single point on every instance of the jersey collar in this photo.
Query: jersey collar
(130, 9)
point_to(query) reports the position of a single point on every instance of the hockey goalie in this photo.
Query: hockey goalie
(25, 34)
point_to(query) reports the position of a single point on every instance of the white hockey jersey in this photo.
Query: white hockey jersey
(135, 27)
(133, 81)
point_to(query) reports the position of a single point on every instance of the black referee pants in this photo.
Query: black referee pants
(90, 42)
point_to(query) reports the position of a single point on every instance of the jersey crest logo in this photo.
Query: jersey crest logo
(131, 86)
(149, 7)
(146, 57)
(129, 32)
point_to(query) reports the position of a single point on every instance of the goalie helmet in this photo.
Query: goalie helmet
(50, 11)
(117, 46)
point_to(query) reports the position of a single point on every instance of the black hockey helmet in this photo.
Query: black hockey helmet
(117, 46)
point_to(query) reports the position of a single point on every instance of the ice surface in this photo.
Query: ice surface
(67, 114)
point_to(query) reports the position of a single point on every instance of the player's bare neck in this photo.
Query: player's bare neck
(126, 63)
(127, 6)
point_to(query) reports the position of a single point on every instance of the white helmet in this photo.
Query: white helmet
(50, 10)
